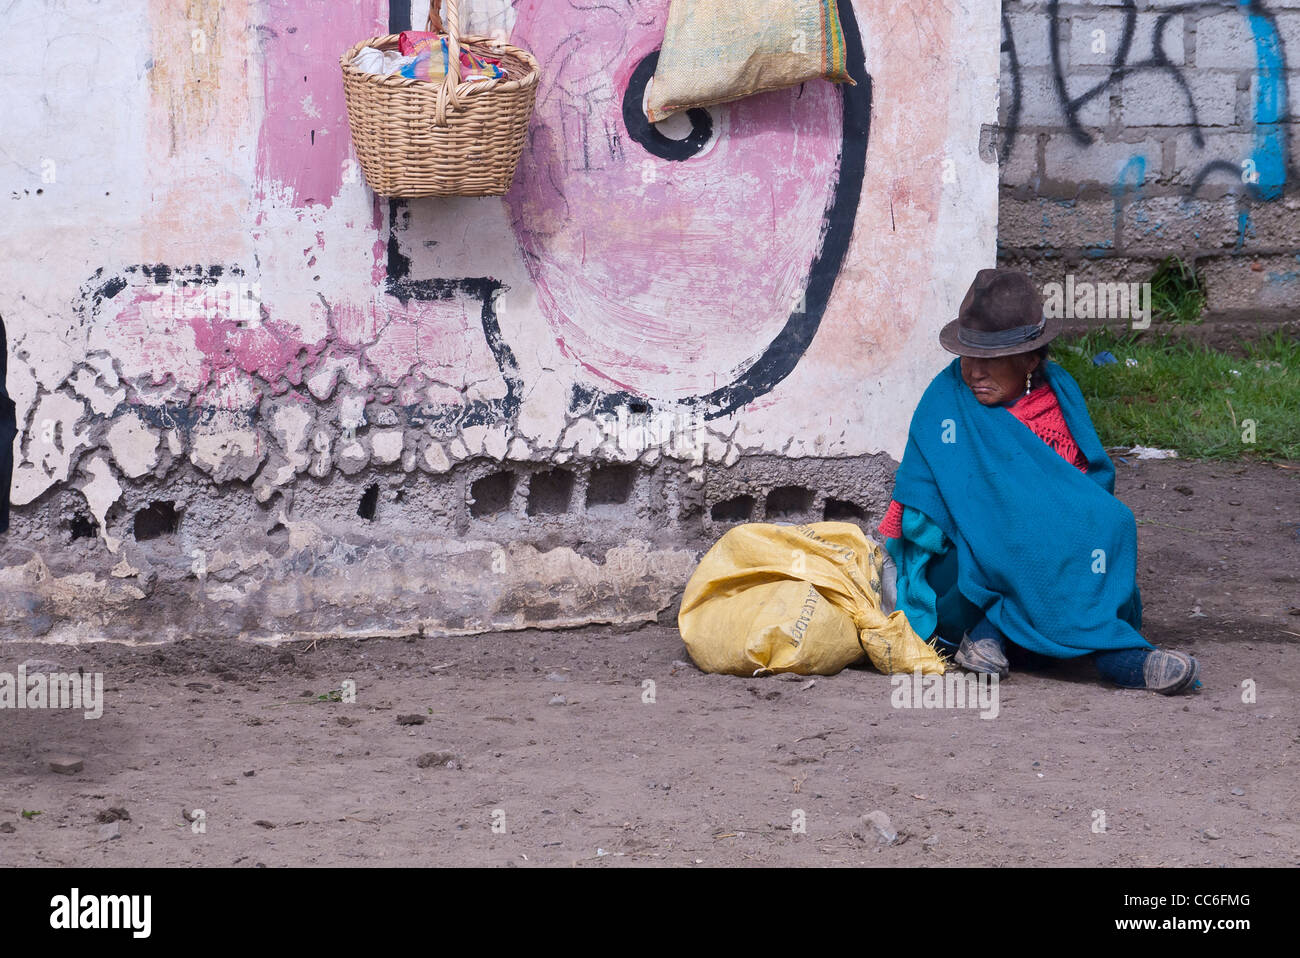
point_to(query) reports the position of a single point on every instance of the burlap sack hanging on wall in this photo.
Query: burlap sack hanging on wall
(720, 50)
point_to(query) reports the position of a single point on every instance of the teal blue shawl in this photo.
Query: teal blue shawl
(998, 522)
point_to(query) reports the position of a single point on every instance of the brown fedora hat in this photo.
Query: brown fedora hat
(1001, 315)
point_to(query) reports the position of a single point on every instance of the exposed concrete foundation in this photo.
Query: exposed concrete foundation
(485, 546)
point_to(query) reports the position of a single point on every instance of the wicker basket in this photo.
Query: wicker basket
(424, 138)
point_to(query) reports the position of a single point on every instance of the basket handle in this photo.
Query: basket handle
(447, 92)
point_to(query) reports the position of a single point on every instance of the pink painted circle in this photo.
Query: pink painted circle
(662, 277)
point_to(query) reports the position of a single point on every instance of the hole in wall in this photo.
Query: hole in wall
(736, 509)
(610, 485)
(278, 535)
(840, 510)
(155, 520)
(81, 526)
(549, 493)
(369, 499)
(491, 494)
(786, 501)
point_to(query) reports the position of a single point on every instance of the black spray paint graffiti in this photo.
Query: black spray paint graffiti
(1268, 163)
(1012, 129)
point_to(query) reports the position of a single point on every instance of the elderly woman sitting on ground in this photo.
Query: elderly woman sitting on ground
(1004, 526)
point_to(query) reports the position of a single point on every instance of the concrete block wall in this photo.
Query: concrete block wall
(1134, 130)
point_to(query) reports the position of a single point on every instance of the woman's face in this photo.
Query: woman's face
(995, 381)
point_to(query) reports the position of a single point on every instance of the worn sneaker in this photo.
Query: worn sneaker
(982, 655)
(1170, 672)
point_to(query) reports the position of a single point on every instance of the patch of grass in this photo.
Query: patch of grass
(1184, 396)
(1177, 295)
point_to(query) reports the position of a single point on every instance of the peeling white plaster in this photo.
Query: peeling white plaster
(133, 444)
(227, 453)
(494, 442)
(434, 458)
(289, 425)
(277, 472)
(353, 456)
(386, 445)
(101, 491)
(323, 461)
(323, 381)
(53, 439)
(352, 411)
(471, 438)
(103, 399)
(585, 436)
(538, 417)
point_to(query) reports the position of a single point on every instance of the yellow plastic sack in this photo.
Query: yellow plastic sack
(771, 598)
(720, 50)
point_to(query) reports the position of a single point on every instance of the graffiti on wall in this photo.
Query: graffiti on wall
(1262, 173)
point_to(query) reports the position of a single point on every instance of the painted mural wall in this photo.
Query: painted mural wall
(193, 269)
(255, 399)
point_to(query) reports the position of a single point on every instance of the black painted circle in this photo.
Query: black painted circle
(640, 128)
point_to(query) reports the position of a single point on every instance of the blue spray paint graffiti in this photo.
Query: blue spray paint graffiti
(1270, 103)
(1290, 276)
(1131, 177)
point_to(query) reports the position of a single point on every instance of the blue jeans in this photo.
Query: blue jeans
(1123, 667)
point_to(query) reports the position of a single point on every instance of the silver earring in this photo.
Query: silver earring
(1028, 380)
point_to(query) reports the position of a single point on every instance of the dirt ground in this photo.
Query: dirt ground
(550, 739)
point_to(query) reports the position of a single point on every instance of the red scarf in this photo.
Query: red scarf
(1041, 412)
